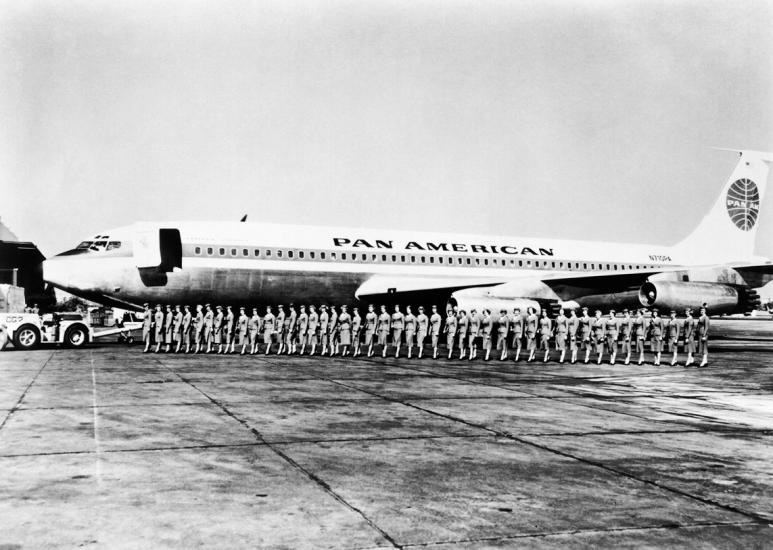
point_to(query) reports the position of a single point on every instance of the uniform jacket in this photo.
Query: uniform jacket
(370, 321)
(435, 321)
(451, 323)
(383, 322)
(703, 326)
(422, 321)
(410, 322)
(573, 325)
(656, 326)
(398, 321)
(562, 325)
(673, 329)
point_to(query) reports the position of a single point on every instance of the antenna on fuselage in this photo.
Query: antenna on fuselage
(244, 218)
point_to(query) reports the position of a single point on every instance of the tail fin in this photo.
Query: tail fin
(728, 232)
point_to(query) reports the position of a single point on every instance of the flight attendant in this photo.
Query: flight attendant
(269, 329)
(486, 326)
(147, 327)
(383, 330)
(217, 328)
(158, 319)
(532, 321)
(672, 335)
(254, 331)
(324, 328)
(333, 331)
(463, 324)
(345, 331)
(690, 324)
(435, 320)
(586, 324)
(242, 325)
(187, 320)
(422, 324)
(562, 330)
(313, 328)
(279, 324)
(503, 327)
(475, 321)
(168, 329)
(516, 330)
(703, 336)
(398, 323)
(626, 330)
(291, 330)
(611, 328)
(230, 334)
(198, 328)
(410, 329)
(545, 332)
(450, 331)
(656, 335)
(177, 329)
(209, 317)
(640, 333)
(599, 333)
(356, 331)
(371, 322)
(573, 327)
(303, 328)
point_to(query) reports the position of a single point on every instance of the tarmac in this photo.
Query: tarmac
(107, 447)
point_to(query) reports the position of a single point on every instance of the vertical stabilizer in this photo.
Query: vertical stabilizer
(728, 232)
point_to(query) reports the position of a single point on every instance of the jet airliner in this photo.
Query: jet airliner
(241, 263)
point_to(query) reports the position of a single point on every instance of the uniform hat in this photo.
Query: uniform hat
(655, 310)
(625, 310)
(673, 311)
(146, 304)
(611, 311)
(585, 308)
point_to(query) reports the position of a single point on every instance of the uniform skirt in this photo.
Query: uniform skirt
(369, 333)
(345, 337)
(487, 341)
(517, 341)
(626, 344)
(267, 337)
(689, 344)
(253, 336)
(544, 342)
(531, 341)
(168, 335)
(409, 337)
(159, 334)
(382, 337)
(435, 339)
(561, 341)
(397, 335)
(461, 338)
(450, 339)
(612, 344)
(502, 341)
(420, 337)
(673, 344)
(703, 345)
(573, 342)
(146, 332)
(311, 337)
(598, 343)
(242, 337)
(586, 341)
(657, 343)
(218, 335)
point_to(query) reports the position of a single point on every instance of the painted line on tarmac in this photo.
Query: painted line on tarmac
(16, 407)
(95, 417)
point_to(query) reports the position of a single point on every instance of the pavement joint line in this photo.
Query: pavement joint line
(590, 462)
(284, 443)
(284, 456)
(548, 534)
(24, 393)
(95, 415)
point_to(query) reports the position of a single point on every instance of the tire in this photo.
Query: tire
(121, 338)
(130, 340)
(26, 337)
(76, 336)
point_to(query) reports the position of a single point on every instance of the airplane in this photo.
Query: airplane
(256, 264)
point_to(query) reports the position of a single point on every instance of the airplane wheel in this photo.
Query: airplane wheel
(130, 340)
(26, 337)
(76, 337)
(121, 338)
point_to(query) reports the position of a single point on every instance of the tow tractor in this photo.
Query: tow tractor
(73, 330)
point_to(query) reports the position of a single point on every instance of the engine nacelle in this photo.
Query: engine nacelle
(677, 295)
(480, 299)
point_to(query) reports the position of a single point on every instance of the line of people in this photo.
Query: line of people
(332, 333)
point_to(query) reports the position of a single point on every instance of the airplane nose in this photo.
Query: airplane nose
(57, 273)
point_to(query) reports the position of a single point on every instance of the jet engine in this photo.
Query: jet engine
(718, 297)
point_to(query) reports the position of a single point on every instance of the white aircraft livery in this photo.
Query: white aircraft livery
(250, 264)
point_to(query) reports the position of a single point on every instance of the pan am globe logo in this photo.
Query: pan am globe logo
(743, 203)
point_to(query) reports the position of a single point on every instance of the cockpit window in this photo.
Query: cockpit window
(87, 247)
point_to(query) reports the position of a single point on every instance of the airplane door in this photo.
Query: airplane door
(147, 247)
(171, 249)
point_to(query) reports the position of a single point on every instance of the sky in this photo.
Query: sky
(566, 119)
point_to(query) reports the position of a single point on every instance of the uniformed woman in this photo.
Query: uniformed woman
(422, 328)
(311, 335)
(626, 333)
(585, 333)
(573, 327)
(656, 335)
(703, 336)
(672, 333)
(516, 331)
(611, 329)
(410, 329)
(147, 328)
(371, 321)
(159, 320)
(344, 331)
(531, 333)
(303, 329)
(472, 337)
(597, 324)
(640, 333)
(690, 324)
(562, 329)
(503, 327)
(463, 323)
(450, 330)
(545, 332)
(242, 325)
(398, 322)
(356, 331)
(487, 326)
(254, 329)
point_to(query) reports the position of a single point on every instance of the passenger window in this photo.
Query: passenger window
(469, 261)
(278, 253)
(485, 261)
(477, 261)
(364, 257)
(383, 257)
(256, 252)
(197, 250)
(301, 254)
(424, 259)
(290, 253)
(322, 255)
(413, 259)
(245, 252)
(528, 263)
(268, 253)
(432, 259)
(210, 251)
(312, 254)
(343, 255)
(394, 258)
(402, 259)
(332, 255)
(233, 252)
